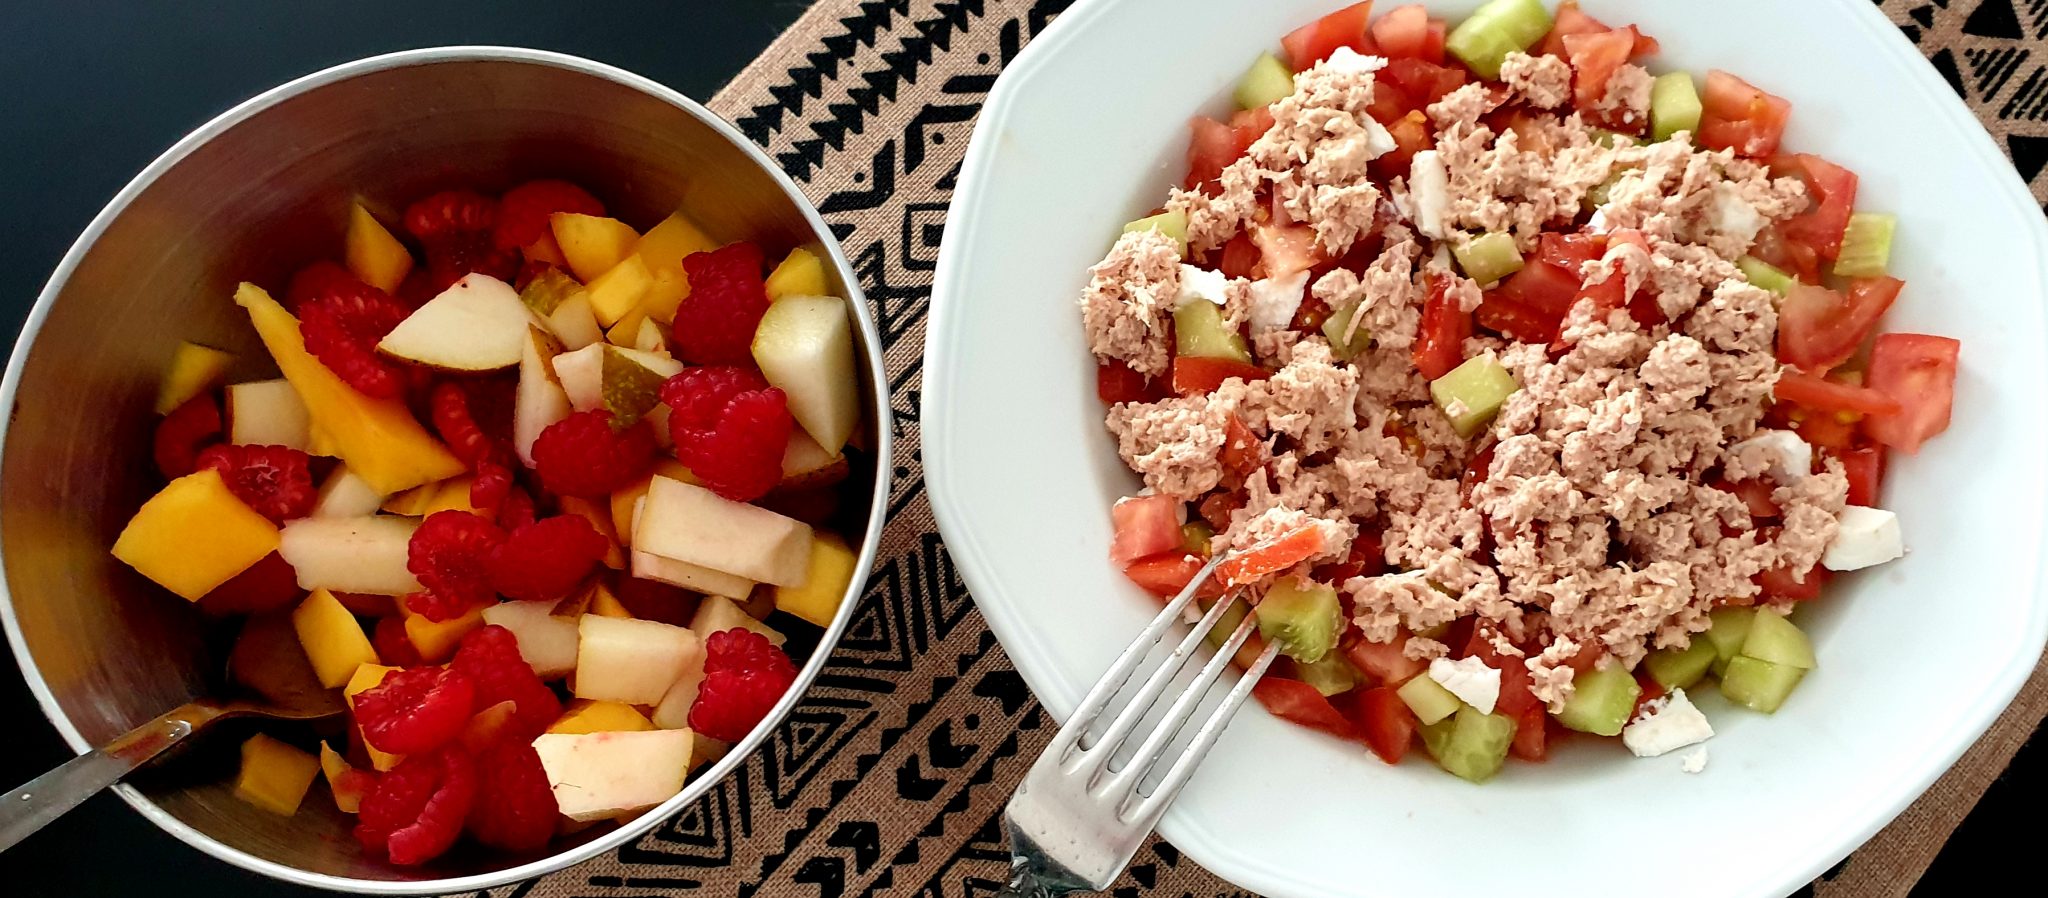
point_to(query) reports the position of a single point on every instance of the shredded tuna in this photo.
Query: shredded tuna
(1173, 443)
(1129, 301)
(1628, 95)
(1544, 82)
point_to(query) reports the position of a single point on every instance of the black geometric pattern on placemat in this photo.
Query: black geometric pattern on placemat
(1989, 54)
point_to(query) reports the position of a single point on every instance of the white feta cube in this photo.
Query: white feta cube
(1791, 457)
(1732, 215)
(1198, 284)
(1429, 190)
(1863, 537)
(1673, 726)
(1694, 761)
(1275, 300)
(1378, 142)
(1351, 62)
(1470, 679)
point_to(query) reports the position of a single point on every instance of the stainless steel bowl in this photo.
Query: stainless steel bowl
(252, 195)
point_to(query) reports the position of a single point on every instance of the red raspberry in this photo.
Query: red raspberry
(449, 261)
(524, 212)
(546, 559)
(715, 324)
(320, 279)
(582, 455)
(495, 495)
(182, 433)
(515, 808)
(393, 646)
(449, 553)
(490, 658)
(697, 396)
(416, 811)
(268, 585)
(276, 481)
(744, 676)
(342, 331)
(517, 510)
(450, 214)
(450, 406)
(415, 710)
(729, 429)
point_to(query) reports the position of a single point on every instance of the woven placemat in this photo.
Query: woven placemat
(890, 778)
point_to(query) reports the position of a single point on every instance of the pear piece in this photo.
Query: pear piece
(539, 400)
(630, 382)
(478, 324)
(805, 346)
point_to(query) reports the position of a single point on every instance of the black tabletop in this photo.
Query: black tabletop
(94, 89)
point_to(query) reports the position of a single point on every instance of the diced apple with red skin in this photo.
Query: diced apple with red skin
(548, 643)
(478, 324)
(597, 776)
(366, 554)
(268, 413)
(692, 524)
(631, 661)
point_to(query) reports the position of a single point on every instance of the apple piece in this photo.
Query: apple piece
(436, 640)
(547, 642)
(373, 255)
(593, 244)
(818, 598)
(348, 784)
(575, 324)
(365, 554)
(367, 677)
(673, 713)
(806, 465)
(268, 413)
(194, 535)
(718, 613)
(379, 439)
(692, 524)
(539, 400)
(596, 776)
(617, 293)
(275, 776)
(344, 495)
(586, 716)
(805, 346)
(628, 660)
(581, 374)
(334, 642)
(194, 369)
(477, 324)
(801, 273)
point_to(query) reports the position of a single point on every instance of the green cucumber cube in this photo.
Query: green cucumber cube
(1305, 619)
(1334, 328)
(1494, 30)
(1172, 224)
(1488, 257)
(1674, 105)
(1757, 684)
(1728, 630)
(1198, 332)
(1598, 194)
(1602, 700)
(1471, 745)
(1264, 83)
(1428, 698)
(1764, 275)
(1227, 624)
(1472, 392)
(1333, 675)
(1195, 537)
(1680, 668)
(1773, 638)
(1866, 245)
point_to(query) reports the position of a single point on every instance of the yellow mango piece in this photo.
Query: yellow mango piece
(616, 293)
(586, 716)
(415, 501)
(372, 254)
(194, 535)
(665, 295)
(367, 677)
(378, 438)
(274, 776)
(342, 780)
(627, 330)
(194, 370)
(818, 599)
(436, 640)
(451, 495)
(801, 273)
(592, 244)
(706, 750)
(319, 443)
(600, 520)
(604, 603)
(546, 250)
(623, 500)
(667, 244)
(333, 640)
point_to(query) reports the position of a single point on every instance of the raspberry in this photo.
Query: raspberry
(697, 396)
(515, 808)
(582, 455)
(524, 211)
(449, 554)
(182, 433)
(517, 510)
(393, 646)
(494, 495)
(342, 331)
(415, 710)
(450, 214)
(322, 278)
(744, 676)
(416, 811)
(449, 260)
(546, 559)
(736, 449)
(715, 324)
(276, 481)
(268, 585)
(450, 407)
(490, 658)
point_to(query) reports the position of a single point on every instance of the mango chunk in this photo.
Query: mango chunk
(274, 776)
(586, 716)
(194, 535)
(801, 273)
(605, 603)
(592, 244)
(365, 678)
(617, 292)
(818, 598)
(194, 369)
(372, 254)
(436, 640)
(676, 238)
(333, 640)
(343, 780)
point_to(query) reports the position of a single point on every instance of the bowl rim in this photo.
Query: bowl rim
(1013, 628)
(877, 397)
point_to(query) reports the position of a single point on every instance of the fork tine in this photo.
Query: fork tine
(1120, 671)
(1126, 781)
(1147, 812)
(1127, 720)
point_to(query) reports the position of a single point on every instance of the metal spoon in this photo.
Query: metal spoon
(267, 672)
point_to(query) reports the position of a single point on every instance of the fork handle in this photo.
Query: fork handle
(1026, 884)
(47, 797)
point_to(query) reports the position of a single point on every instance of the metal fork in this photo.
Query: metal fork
(1075, 822)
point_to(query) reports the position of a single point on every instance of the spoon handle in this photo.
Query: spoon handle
(47, 797)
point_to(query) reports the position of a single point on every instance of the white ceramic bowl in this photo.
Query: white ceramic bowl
(1086, 130)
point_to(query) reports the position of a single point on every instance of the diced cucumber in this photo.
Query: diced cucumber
(1604, 137)
(1757, 684)
(1471, 745)
(1674, 105)
(1265, 82)
(1334, 328)
(1428, 698)
(1494, 30)
(1195, 537)
(1602, 700)
(1773, 638)
(1866, 245)
(1227, 624)
(1488, 257)
(1172, 224)
(1198, 332)
(1304, 619)
(1764, 275)
(1680, 668)
(1333, 675)
(1728, 630)
(1476, 390)
(1597, 195)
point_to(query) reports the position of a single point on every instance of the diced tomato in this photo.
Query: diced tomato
(1115, 382)
(1476, 470)
(1368, 558)
(1212, 146)
(1831, 190)
(1382, 719)
(1819, 393)
(1238, 257)
(1780, 583)
(1298, 702)
(1314, 42)
(1440, 342)
(1649, 690)
(1251, 124)
(1918, 373)
(1411, 135)
(1166, 575)
(1411, 85)
(1819, 328)
(1735, 114)
(1242, 452)
(1516, 320)
(1864, 466)
(1217, 507)
(1195, 376)
(1515, 685)
(1570, 20)
(1787, 255)
(1547, 288)
(1145, 526)
(1272, 556)
(1754, 493)
(1531, 731)
(1384, 662)
(1406, 32)
(1287, 248)
(1826, 430)
(1570, 251)
(1595, 57)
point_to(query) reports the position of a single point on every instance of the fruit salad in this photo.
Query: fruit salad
(558, 506)
(1526, 384)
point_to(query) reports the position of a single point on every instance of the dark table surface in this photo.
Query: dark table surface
(93, 90)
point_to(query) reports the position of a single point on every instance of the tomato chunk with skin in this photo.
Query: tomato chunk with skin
(1440, 342)
(1314, 42)
(1832, 191)
(1594, 58)
(1516, 695)
(1755, 495)
(1516, 320)
(1736, 115)
(1821, 394)
(1166, 575)
(1272, 556)
(1242, 453)
(1116, 382)
(1407, 32)
(1781, 583)
(1864, 466)
(1298, 702)
(1195, 376)
(1917, 372)
(1532, 736)
(1145, 526)
(1820, 328)
(1386, 662)
(1382, 719)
